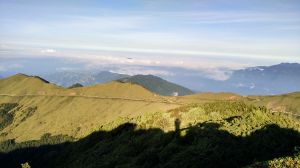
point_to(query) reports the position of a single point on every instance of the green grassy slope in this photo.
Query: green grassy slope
(286, 103)
(289, 103)
(125, 125)
(23, 84)
(219, 134)
(79, 111)
(75, 112)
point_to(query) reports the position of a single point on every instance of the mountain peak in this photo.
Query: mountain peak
(20, 75)
(288, 65)
(23, 76)
(157, 85)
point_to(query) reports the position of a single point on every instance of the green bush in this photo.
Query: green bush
(46, 139)
(6, 114)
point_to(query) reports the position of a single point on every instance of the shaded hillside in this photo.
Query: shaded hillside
(158, 85)
(241, 135)
(68, 78)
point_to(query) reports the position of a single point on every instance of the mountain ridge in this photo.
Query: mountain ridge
(48, 105)
(91, 106)
(150, 82)
(254, 80)
(26, 84)
(158, 85)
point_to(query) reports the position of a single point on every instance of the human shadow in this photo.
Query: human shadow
(177, 123)
(203, 145)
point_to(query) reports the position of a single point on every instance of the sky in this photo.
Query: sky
(204, 35)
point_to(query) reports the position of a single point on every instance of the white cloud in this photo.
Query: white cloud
(85, 24)
(3, 46)
(49, 50)
(134, 70)
(252, 86)
(65, 69)
(217, 73)
(211, 64)
(215, 17)
(93, 59)
(105, 22)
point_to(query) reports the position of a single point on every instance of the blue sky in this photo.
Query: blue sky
(195, 34)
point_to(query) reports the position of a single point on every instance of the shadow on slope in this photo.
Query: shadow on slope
(203, 145)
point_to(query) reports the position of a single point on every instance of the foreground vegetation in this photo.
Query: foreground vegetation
(220, 134)
(288, 162)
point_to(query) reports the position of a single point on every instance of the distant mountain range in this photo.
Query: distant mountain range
(276, 79)
(69, 78)
(158, 85)
(150, 82)
(260, 80)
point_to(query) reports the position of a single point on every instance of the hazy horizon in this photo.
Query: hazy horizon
(205, 36)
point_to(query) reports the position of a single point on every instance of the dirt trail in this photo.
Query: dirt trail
(166, 101)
